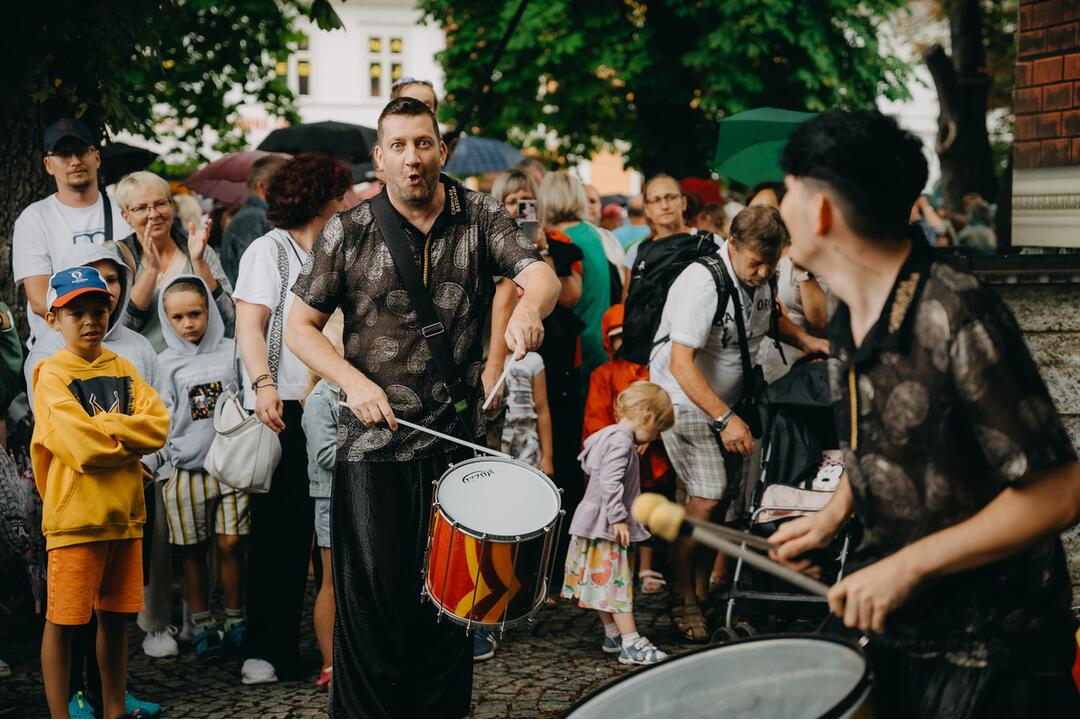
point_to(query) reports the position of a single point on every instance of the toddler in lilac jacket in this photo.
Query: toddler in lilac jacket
(599, 561)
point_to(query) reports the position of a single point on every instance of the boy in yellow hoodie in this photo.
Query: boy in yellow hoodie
(95, 419)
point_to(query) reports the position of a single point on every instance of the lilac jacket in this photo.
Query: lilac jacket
(610, 459)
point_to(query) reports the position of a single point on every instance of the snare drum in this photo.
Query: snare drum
(766, 677)
(492, 536)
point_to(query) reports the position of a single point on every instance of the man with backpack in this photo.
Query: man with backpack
(715, 314)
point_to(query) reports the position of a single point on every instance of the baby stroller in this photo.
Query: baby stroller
(800, 469)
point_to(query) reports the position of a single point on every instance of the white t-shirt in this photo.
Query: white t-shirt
(46, 230)
(688, 319)
(520, 403)
(259, 283)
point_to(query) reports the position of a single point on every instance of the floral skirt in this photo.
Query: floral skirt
(599, 573)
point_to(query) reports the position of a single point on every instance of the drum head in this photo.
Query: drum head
(778, 677)
(498, 497)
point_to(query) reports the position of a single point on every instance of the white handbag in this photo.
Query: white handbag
(245, 452)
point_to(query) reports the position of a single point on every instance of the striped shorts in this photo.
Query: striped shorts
(198, 505)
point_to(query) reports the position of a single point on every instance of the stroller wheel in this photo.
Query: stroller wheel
(723, 635)
(745, 629)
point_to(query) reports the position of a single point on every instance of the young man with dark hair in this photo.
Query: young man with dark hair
(958, 467)
(391, 657)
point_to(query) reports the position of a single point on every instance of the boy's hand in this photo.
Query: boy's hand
(622, 533)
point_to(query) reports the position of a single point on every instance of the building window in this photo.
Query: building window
(303, 42)
(374, 45)
(395, 46)
(395, 72)
(281, 69)
(375, 75)
(303, 77)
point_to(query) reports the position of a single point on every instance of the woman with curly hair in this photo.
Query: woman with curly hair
(302, 195)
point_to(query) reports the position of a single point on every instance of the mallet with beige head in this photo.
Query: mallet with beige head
(668, 520)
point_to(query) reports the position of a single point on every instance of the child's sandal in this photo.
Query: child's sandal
(652, 582)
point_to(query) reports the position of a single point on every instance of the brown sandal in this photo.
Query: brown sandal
(689, 621)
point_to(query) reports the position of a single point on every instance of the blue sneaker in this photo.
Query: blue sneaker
(136, 708)
(80, 707)
(612, 645)
(642, 652)
(483, 646)
(234, 637)
(208, 647)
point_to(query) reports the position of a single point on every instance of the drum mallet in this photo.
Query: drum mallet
(668, 520)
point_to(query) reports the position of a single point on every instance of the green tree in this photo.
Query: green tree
(158, 68)
(659, 75)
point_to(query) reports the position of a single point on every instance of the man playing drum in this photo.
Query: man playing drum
(391, 659)
(958, 466)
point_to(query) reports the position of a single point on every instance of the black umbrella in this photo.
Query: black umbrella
(351, 143)
(118, 159)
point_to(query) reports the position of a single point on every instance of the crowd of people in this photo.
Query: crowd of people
(631, 341)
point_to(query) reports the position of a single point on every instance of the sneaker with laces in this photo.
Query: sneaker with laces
(161, 643)
(256, 672)
(80, 707)
(208, 646)
(133, 706)
(483, 646)
(642, 652)
(234, 637)
(612, 645)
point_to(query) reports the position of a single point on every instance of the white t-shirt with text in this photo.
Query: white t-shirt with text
(259, 283)
(687, 319)
(46, 230)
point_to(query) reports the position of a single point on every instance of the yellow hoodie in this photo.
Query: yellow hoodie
(93, 423)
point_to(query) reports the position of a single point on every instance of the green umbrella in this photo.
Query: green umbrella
(748, 147)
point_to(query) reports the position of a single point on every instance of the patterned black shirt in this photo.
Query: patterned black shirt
(950, 411)
(350, 267)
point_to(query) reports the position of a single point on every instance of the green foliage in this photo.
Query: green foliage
(160, 68)
(659, 75)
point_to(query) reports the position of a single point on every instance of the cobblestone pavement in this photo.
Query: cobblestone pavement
(539, 671)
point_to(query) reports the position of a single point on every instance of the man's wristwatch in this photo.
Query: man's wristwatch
(721, 422)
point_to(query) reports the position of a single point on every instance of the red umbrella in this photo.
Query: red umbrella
(225, 179)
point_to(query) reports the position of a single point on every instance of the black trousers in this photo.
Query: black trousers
(391, 657)
(282, 523)
(567, 415)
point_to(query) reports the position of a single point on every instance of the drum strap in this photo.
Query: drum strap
(431, 327)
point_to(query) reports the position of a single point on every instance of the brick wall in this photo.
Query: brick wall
(1047, 100)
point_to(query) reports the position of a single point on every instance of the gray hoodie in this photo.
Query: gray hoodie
(122, 340)
(192, 378)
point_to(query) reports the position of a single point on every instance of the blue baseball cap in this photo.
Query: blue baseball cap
(69, 284)
(65, 128)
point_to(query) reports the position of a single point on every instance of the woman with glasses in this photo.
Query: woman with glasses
(162, 251)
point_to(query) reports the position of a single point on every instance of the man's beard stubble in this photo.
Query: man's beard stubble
(420, 196)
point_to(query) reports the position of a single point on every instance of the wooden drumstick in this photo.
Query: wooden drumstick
(444, 436)
(668, 520)
(498, 384)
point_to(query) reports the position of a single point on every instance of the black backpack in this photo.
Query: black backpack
(657, 265)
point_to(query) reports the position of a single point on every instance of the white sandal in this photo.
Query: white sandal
(651, 576)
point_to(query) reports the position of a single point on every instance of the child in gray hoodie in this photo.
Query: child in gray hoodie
(196, 366)
(599, 561)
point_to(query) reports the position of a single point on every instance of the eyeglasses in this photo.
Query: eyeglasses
(410, 80)
(77, 151)
(159, 207)
(661, 199)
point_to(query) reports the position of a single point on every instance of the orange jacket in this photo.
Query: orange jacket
(605, 384)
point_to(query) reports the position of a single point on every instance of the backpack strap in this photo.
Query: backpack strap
(713, 264)
(430, 326)
(107, 206)
(725, 285)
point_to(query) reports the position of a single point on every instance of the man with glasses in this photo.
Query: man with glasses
(78, 212)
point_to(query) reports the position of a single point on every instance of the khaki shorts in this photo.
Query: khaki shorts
(105, 575)
(695, 455)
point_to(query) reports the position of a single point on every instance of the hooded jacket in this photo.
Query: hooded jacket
(93, 423)
(192, 376)
(119, 338)
(610, 459)
(605, 384)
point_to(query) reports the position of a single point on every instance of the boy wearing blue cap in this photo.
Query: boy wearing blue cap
(95, 419)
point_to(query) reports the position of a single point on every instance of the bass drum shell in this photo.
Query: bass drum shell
(761, 677)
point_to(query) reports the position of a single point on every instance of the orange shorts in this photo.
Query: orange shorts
(104, 575)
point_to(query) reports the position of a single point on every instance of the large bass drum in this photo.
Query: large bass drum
(491, 540)
(766, 677)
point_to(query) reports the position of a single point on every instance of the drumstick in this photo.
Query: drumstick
(668, 520)
(498, 384)
(444, 436)
(648, 504)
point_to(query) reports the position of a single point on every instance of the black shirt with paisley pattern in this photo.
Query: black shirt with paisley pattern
(950, 411)
(350, 267)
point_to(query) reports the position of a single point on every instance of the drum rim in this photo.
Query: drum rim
(479, 535)
(861, 688)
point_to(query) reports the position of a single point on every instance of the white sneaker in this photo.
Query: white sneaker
(187, 630)
(257, 671)
(161, 643)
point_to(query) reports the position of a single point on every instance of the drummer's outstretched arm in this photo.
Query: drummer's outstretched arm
(525, 329)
